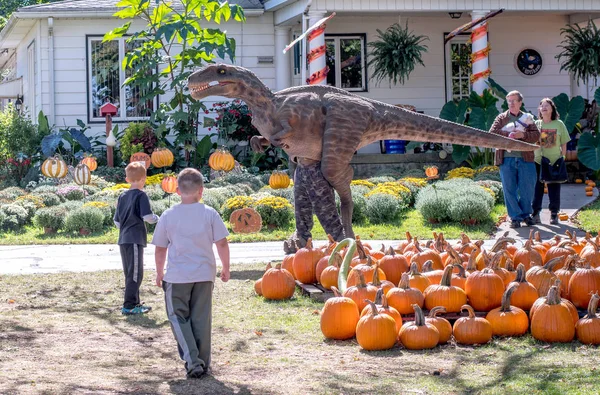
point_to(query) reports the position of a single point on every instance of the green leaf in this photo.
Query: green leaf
(455, 112)
(588, 150)
(597, 95)
(460, 153)
(570, 111)
(117, 32)
(203, 147)
(43, 126)
(159, 13)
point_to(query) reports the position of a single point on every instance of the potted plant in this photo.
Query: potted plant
(581, 46)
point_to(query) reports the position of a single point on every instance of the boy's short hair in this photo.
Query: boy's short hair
(189, 180)
(135, 171)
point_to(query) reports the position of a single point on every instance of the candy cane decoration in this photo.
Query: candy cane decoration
(480, 50)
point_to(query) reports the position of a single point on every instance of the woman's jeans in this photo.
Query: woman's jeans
(553, 195)
(518, 183)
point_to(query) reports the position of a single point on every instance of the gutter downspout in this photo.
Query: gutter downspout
(51, 117)
(303, 57)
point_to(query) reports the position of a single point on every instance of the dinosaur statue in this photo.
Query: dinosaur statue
(320, 128)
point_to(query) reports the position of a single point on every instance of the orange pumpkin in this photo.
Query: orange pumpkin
(445, 294)
(588, 328)
(403, 297)
(472, 330)
(305, 263)
(339, 317)
(508, 320)
(279, 180)
(578, 181)
(416, 279)
(221, 160)
(583, 283)
(525, 295)
(552, 321)
(393, 265)
(90, 162)
(278, 284)
(162, 157)
(245, 220)
(443, 325)
(169, 184)
(431, 172)
(258, 283)
(361, 292)
(376, 331)
(543, 277)
(420, 334)
(484, 290)
(384, 308)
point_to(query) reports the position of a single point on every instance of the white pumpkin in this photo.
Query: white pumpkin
(82, 174)
(54, 167)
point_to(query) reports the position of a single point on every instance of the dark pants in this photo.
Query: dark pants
(189, 309)
(553, 195)
(313, 193)
(132, 256)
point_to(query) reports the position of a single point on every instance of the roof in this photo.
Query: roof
(110, 5)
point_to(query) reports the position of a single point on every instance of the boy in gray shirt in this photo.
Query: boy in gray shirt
(187, 231)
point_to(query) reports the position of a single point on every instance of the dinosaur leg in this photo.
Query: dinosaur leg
(341, 183)
(322, 196)
(303, 211)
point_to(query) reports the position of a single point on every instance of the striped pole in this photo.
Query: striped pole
(317, 65)
(480, 50)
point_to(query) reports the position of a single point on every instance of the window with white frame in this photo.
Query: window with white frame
(105, 82)
(31, 80)
(458, 68)
(346, 61)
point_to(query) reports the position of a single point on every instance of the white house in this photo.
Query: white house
(50, 51)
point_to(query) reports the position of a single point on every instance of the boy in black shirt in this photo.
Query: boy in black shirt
(133, 208)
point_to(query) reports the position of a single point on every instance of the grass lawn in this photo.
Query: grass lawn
(411, 221)
(589, 218)
(63, 333)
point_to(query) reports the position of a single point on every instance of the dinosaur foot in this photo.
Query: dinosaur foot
(293, 244)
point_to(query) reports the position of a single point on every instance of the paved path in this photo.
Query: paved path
(56, 258)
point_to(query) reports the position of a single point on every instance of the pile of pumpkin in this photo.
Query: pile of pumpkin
(589, 186)
(537, 287)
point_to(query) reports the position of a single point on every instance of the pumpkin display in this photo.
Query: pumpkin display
(221, 160)
(393, 265)
(567, 303)
(508, 320)
(416, 279)
(459, 279)
(368, 269)
(90, 162)
(329, 275)
(360, 292)
(288, 263)
(582, 284)
(543, 277)
(591, 253)
(305, 263)
(279, 180)
(434, 276)
(419, 334)
(162, 157)
(588, 327)
(589, 189)
(552, 321)
(589, 193)
(278, 284)
(54, 167)
(245, 220)
(443, 325)
(403, 297)
(403, 244)
(339, 317)
(169, 184)
(82, 174)
(141, 157)
(431, 172)
(565, 273)
(528, 256)
(424, 255)
(484, 290)
(525, 294)
(384, 308)
(376, 331)
(591, 183)
(472, 330)
(445, 294)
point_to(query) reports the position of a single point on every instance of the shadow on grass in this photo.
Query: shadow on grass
(12, 332)
(246, 274)
(210, 385)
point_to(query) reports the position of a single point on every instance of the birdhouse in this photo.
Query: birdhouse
(108, 109)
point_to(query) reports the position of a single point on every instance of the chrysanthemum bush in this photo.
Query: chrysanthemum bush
(460, 172)
(365, 183)
(51, 217)
(459, 200)
(275, 211)
(494, 186)
(399, 191)
(360, 204)
(14, 215)
(72, 192)
(106, 210)
(87, 218)
(235, 203)
(382, 207)
(49, 199)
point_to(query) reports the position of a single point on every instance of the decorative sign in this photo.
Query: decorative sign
(528, 62)
(141, 157)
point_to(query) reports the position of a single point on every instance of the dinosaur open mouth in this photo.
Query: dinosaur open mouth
(203, 87)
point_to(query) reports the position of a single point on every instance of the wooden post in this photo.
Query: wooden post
(109, 149)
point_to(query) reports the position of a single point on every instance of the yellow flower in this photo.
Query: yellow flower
(488, 169)
(238, 202)
(274, 202)
(391, 188)
(36, 200)
(365, 183)
(96, 204)
(460, 172)
(117, 187)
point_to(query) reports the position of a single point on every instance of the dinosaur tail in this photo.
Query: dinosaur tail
(398, 123)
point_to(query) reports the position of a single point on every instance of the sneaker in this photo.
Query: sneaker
(196, 373)
(529, 221)
(536, 218)
(554, 219)
(139, 309)
(515, 224)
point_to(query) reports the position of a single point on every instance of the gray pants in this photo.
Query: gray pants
(132, 257)
(189, 309)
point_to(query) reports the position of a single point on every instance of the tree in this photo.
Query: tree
(174, 43)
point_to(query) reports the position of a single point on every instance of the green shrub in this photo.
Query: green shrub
(469, 209)
(12, 193)
(287, 193)
(359, 190)
(360, 205)
(275, 211)
(381, 179)
(45, 189)
(89, 218)
(236, 203)
(2, 219)
(154, 192)
(29, 207)
(106, 209)
(91, 190)
(15, 216)
(137, 137)
(36, 200)
(382, 207)
(495, 186)
(18, 135)
(487, 175)
(71, 205)
(110, 174)
(160, 206)
(49, 199)
(414, 173)
(254, 182)
(71, 192)
(51, 217)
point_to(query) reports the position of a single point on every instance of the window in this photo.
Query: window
(346, 61)
(31, 81)
(458, 68)
(105, 82)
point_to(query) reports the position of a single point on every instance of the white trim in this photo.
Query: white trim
(31, 80)
(460, 39)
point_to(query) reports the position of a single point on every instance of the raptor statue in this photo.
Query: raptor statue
(320, 128)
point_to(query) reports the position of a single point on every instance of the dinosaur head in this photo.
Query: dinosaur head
(221, 80)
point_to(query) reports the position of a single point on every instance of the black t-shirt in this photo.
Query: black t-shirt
(132, 206)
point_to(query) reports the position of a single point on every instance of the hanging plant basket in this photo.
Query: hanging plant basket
(396, 53)
(581, 46)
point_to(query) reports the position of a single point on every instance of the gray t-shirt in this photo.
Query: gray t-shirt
(189, 231)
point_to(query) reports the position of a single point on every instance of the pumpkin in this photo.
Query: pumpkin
(528, 256)
(162, 157)
(578, 181)
(90, 162)
(543, 277)
(565, 274)
(591, 183)
(384, 308)
(221, 160)
(419, 334)
(589, 193)
(591, 253)
(472, 330)
(443, 325)
(169, 184)
(328, 248)
(383, 285)
(278, 284)
(424, 255)
(583, 283)
(416, 279)
(508, 320)
(588, 328)
(501, 272)
(360, 292)
(54, 167)
(403, 297)
(434, 276)
(567, 303)
(367, 269)
(403, 244)
(305, 263)
(459, 279)
(393, 265)
(525, 295)
(339, 317)
(589, 189)
(376, 331)
(484, 290)
(431, 172)
(82, 174)
(333, 266)
(245, 220)
(377, 255)
(445, 294)
(552, 321)
(141, 157)
(279, 180)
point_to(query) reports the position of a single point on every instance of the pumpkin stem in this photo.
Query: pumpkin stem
(469, 309)
(384, 301)
(336, 292)
(427, 266)
(361, 280)
(345, 267)
(553, 262)
(419, 316)
(553, 296)
(472, 264)
(416, 244)
(447, 276)
(278, 266)
(461, 270)
(390, 251)
(520, 274)
(268, 267)
(593, 306)
(382, 248)
(505, 307)
(404, 281)
(464, 239)
(373, 307)
(414, 269)
(378, 296)
(376, 281)
(438, 309)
